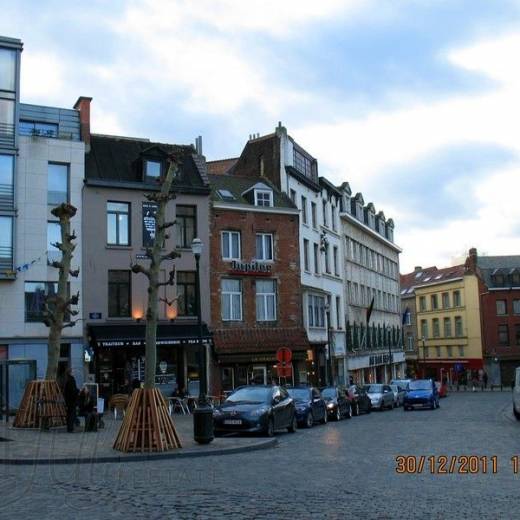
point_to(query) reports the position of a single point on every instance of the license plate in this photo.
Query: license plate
(233, 421)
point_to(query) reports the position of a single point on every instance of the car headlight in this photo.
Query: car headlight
(258, 412)
(217, 412)
(330, 405)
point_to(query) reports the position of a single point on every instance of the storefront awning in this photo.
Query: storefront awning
(133, 335)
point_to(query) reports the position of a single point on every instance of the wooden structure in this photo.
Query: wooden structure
(147, 425)
(119, 403)
(42, 406)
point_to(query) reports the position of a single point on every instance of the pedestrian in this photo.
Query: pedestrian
(485, 378)
(70, 394)
(86, 407)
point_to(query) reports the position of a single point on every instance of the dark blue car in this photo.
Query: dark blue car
(421, 393)
(310, 407)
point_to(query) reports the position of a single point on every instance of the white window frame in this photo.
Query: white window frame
(266, 296)
(269, 193)
(230, 244)
(264, 237)
(316, 311)
(232, 295)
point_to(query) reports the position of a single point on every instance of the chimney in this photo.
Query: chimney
(198, 145)
(82, 105)
(417, 269)
(471, 261)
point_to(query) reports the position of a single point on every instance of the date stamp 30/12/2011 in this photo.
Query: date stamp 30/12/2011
(454, 464)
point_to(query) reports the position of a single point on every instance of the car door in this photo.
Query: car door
(287, 407)
(388, 396)
(277, 407)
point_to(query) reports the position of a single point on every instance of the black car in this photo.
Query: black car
(256, 409)
(310, 407)
(336, 402)
(359, 400)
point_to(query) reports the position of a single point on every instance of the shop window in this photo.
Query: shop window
(231, 300)
(186, 221)
(186, 296)
(227, 378)
(119, 294)
(265, 300)
(118, 223)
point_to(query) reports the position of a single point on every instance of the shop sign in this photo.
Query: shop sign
(380, 359)
(95, 315)
(250, 268)
(141, 342)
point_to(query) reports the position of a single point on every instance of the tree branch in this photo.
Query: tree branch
(137, 268)
(55, 264)
(168, 302)
(70, 324)
(172, 255)
(74, 273)
(171, 279)
(167, 225)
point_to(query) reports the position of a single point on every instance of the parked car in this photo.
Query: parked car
(442, 388)
(516, 394)
(336, 401)
(310, 406)
(359, 400)
(381, 396)
(403, 383)
(399, 393)
(422, 393)
(256, 409)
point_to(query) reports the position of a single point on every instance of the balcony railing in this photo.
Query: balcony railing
(7, 135)
(6, 261)
(6, 196)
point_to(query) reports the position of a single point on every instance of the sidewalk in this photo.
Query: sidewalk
(469, 388)
(59, 447)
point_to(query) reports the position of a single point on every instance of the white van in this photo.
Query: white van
(516, 394)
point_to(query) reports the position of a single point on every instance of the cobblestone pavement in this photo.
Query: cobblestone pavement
(341, 470)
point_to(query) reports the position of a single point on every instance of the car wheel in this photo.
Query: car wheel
(293, 426)
(337, 417)
(516, 414)
(406, 409)
(438, 403)
(309, 421)
(325, 417)
(270, 428)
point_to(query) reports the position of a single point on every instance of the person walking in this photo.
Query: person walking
(70, 394)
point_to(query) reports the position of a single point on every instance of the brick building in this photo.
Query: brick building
(255, 281)
(500, 313)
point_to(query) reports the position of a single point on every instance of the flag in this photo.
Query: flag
(369, 310)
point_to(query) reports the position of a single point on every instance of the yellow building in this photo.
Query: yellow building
(448, 338)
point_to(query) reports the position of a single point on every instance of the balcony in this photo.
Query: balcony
(7, 135)
(6, 197)
(6, 263)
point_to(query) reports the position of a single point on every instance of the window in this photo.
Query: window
(38, 128)
(325, 219)
(458, 327)
(57, 184)
(6, 179)
(422, 303)
(516, 306)
(335, 260)
(407, 317)
(35, 294)
(152, 170)
(53, 236)
(410, 344)
(7, 116)
(6, 242)
(503, 335)
(186, 221)
(313, 215)
(424, 328)
(517, 334)
(7, 69)
(449, 350)
(186, 293)
(434, 302)
(263, 198)
(316, 259)
(230, 245)
(461, 350)
(264, 246)
(426, 352)
(435, 327)
(293, 196)
(447, 327)
(231, 300)
(445, 300)
(118, 223)
(501, 307)
(438, 351)
(306, 254)
(119, 294)
(338, 313)
(265, 300)
(304, 210)
(316, 311)
(327, 258)
(456, 298)
(226, 195)
(303, 164)
(333, 217)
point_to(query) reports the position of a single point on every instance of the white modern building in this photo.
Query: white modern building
(42, 167)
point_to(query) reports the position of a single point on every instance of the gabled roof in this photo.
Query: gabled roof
(492, 265)
(429, 275)
(370, 207)
(239, 186)
(345, 186)
(359, 198)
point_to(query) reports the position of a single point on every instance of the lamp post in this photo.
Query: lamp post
(203, 414)
(424, 356)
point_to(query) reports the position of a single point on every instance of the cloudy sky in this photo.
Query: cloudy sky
(416, 103)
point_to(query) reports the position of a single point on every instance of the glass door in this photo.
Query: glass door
(259, 375)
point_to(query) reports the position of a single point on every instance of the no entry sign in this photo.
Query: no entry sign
(284, 355)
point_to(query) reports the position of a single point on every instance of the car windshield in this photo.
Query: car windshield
(374, 389)
(421, 384)
(299, 394)
(328, 393)
(250, 395)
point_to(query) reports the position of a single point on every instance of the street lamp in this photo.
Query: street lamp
(203, 414)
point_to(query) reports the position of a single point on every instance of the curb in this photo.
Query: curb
(146, 457)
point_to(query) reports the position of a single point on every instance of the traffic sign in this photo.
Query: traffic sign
(284, 355)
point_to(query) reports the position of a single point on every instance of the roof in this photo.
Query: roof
(492, 265)
(269, 339)
(120, 160)
(429, 275)
(239, 186)
(222, 166)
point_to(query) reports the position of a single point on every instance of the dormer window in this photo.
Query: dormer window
(152, 170)
(263, 198)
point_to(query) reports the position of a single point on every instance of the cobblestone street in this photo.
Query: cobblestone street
(340, 470)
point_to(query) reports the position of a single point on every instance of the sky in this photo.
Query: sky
(415, 103)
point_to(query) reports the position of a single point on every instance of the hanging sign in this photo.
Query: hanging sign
(149, 212)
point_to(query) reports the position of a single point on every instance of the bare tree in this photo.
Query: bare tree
(156, 257)
(57, 307)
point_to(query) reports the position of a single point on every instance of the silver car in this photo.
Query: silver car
(399, 393)
(381, 396)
